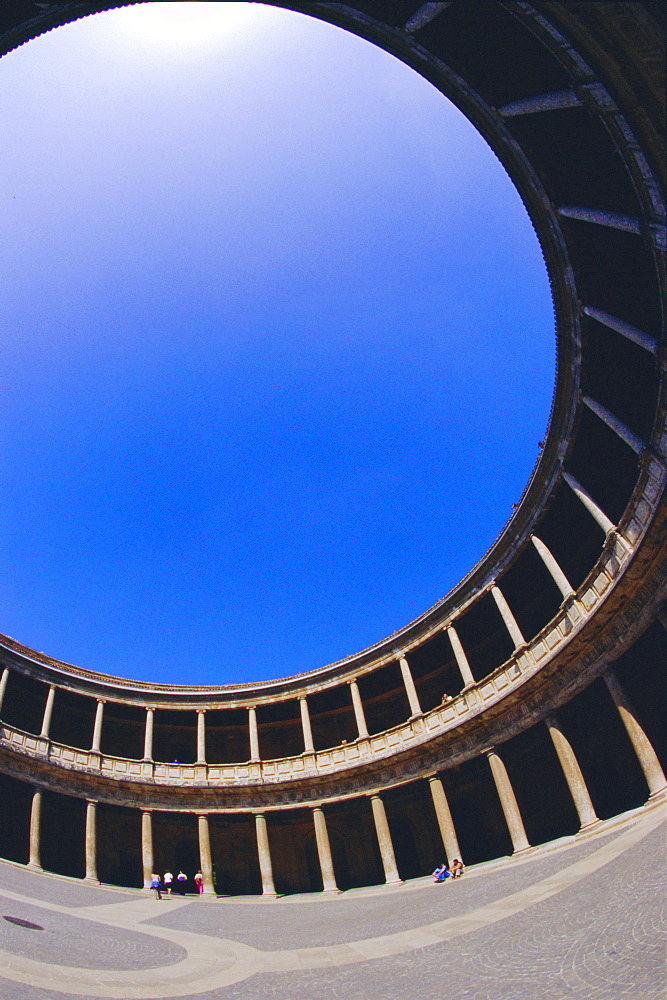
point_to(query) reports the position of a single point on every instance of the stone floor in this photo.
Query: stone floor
(582, 920)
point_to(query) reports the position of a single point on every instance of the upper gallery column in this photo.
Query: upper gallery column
(201, 736)
(306, 727)
(410, 689)
(359, 714)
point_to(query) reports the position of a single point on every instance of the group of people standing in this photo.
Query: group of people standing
(167, 883)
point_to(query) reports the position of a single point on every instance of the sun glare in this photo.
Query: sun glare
(188, 23)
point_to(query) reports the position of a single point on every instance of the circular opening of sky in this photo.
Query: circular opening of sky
(278, 343)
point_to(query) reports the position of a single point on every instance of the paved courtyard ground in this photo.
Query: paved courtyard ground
(582, 920)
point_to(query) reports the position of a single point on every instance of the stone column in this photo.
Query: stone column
(411, 690)
(511, 625)
(589, 503)
(3, 685)
(201, 737)
(308, 744)
(205, 858)
(324, 852)
(48, 712)
(385, 842)
(97, 729)
(359, 714)
(254, 735)
(461, 658)
(147, 847)
(445, 822)
(557, 574)
(508, 802)
(572, 771)
(91, 842)
(36, 830)
(264, 853)
(148, 735)
(646, 755)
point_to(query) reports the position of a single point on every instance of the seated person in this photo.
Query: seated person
(457, 869)
(441, 873)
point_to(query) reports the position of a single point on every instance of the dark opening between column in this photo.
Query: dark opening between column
(119, 859)
(175, 736)
(642, 671)
(435, 671)
(123, 730)
(607, 760)
(531, 592)
(526, 67)
(280, 731)
(544, 799)
(24, 703)
(227, 736)
(571, 534)
(484, 637)
(354, 847)
(63, 835)
(599, 450)
(414, 829)
(176, 847)
(631, 397)
(384, 698)
(73, 719)
(332, 717)
(296, 866)
(616, 273)
(16, 804)
(234, 853)
(477, 815)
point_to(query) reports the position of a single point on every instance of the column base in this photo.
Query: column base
(33, 867)
(522, 850)
(393, 883)
(589, 826)
(270, 895)
(331, 892)
(91, 881)
(660, 794)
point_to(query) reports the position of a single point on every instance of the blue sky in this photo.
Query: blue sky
(276, 342)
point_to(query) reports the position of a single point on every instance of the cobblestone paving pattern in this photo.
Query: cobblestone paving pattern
(69, 940)
(601, 938)
(56, 890)
(336, 920)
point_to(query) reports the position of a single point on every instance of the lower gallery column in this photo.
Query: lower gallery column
(324, 852)
(205, 859)
(573, 776)
(91, 842)
(35, 830)
(264, 852)
(147, 847)
(646, 755)
(508, 802)
(385, 843)
(445, 821)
